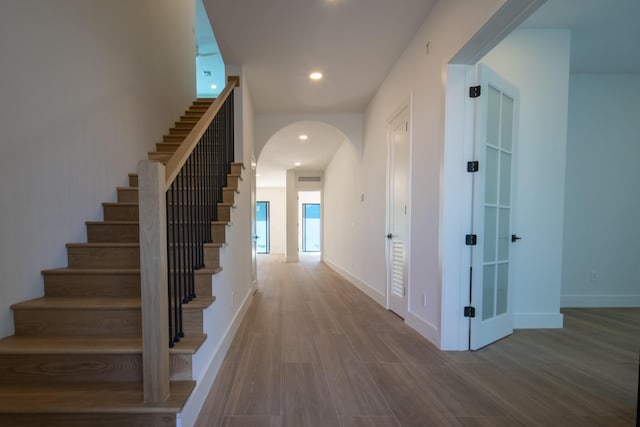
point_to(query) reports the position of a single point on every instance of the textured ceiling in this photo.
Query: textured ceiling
(285, 149)
(353, 43)
(604, 33)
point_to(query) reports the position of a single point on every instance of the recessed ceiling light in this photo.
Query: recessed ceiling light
(297, 163)
(214, 87)
(315, 76)
(303, 137)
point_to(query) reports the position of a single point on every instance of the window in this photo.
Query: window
(310, 227)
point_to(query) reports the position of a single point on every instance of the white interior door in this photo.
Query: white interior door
(398, 214)
(254, 236)
(495, 143)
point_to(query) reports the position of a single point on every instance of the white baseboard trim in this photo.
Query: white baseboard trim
(537, 320)
(599, 301)
(191, 410)
(373, 293)
(424, 328)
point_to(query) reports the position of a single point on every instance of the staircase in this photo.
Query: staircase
(76, 356)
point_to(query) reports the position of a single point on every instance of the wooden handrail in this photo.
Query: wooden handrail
(179, 158)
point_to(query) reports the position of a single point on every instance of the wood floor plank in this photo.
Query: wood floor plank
(314, 350)
(369, 422)
(306, 397)
(351, 385)
(257, 384)
(251, 421)
(406, 397)
(211, 414)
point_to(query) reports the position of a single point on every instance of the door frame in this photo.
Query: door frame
(407, 105)
(455, 200)
(457, 196)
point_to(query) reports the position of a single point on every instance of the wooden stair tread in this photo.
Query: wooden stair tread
(96, 271)
(78, 303)
(120, 203)
(90, 345)
(199, 303)
(211, 271)
(103, 397)
(112, 222)
(98, 303)
(103, 245)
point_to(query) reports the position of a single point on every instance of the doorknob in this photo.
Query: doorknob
(514, 238)
(389, 236)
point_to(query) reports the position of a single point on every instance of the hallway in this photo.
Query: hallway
(315, 351)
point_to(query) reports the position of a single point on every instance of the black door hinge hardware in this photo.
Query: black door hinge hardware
(474, 91)
(473, 166)
(469, 311)
(471, 239)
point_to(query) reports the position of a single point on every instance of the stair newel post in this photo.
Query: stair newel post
(153, 276)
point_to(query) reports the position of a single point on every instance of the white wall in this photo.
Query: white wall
(417, 75)
(86, 89)
(277, 216)
(537, 63)
(601, 227)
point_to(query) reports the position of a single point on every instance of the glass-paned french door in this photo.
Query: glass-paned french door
(262, 227)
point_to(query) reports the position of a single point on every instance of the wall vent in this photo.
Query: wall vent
(308, 179)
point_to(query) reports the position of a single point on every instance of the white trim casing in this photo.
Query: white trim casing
(373, 293)
(456, 207)
(191, 410)
(537, 320)
(627, 301)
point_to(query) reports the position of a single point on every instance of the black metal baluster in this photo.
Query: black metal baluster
(191, 205)
(175, 255)
(189, 228)
(169, 293)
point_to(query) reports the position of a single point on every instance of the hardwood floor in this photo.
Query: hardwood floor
(315, 351)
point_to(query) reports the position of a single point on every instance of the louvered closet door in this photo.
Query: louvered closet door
(398, 213)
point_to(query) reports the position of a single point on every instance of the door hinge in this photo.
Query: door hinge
(469, 311)
(471, 239)
(474, 91)
(473, 166)
(404, 292)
